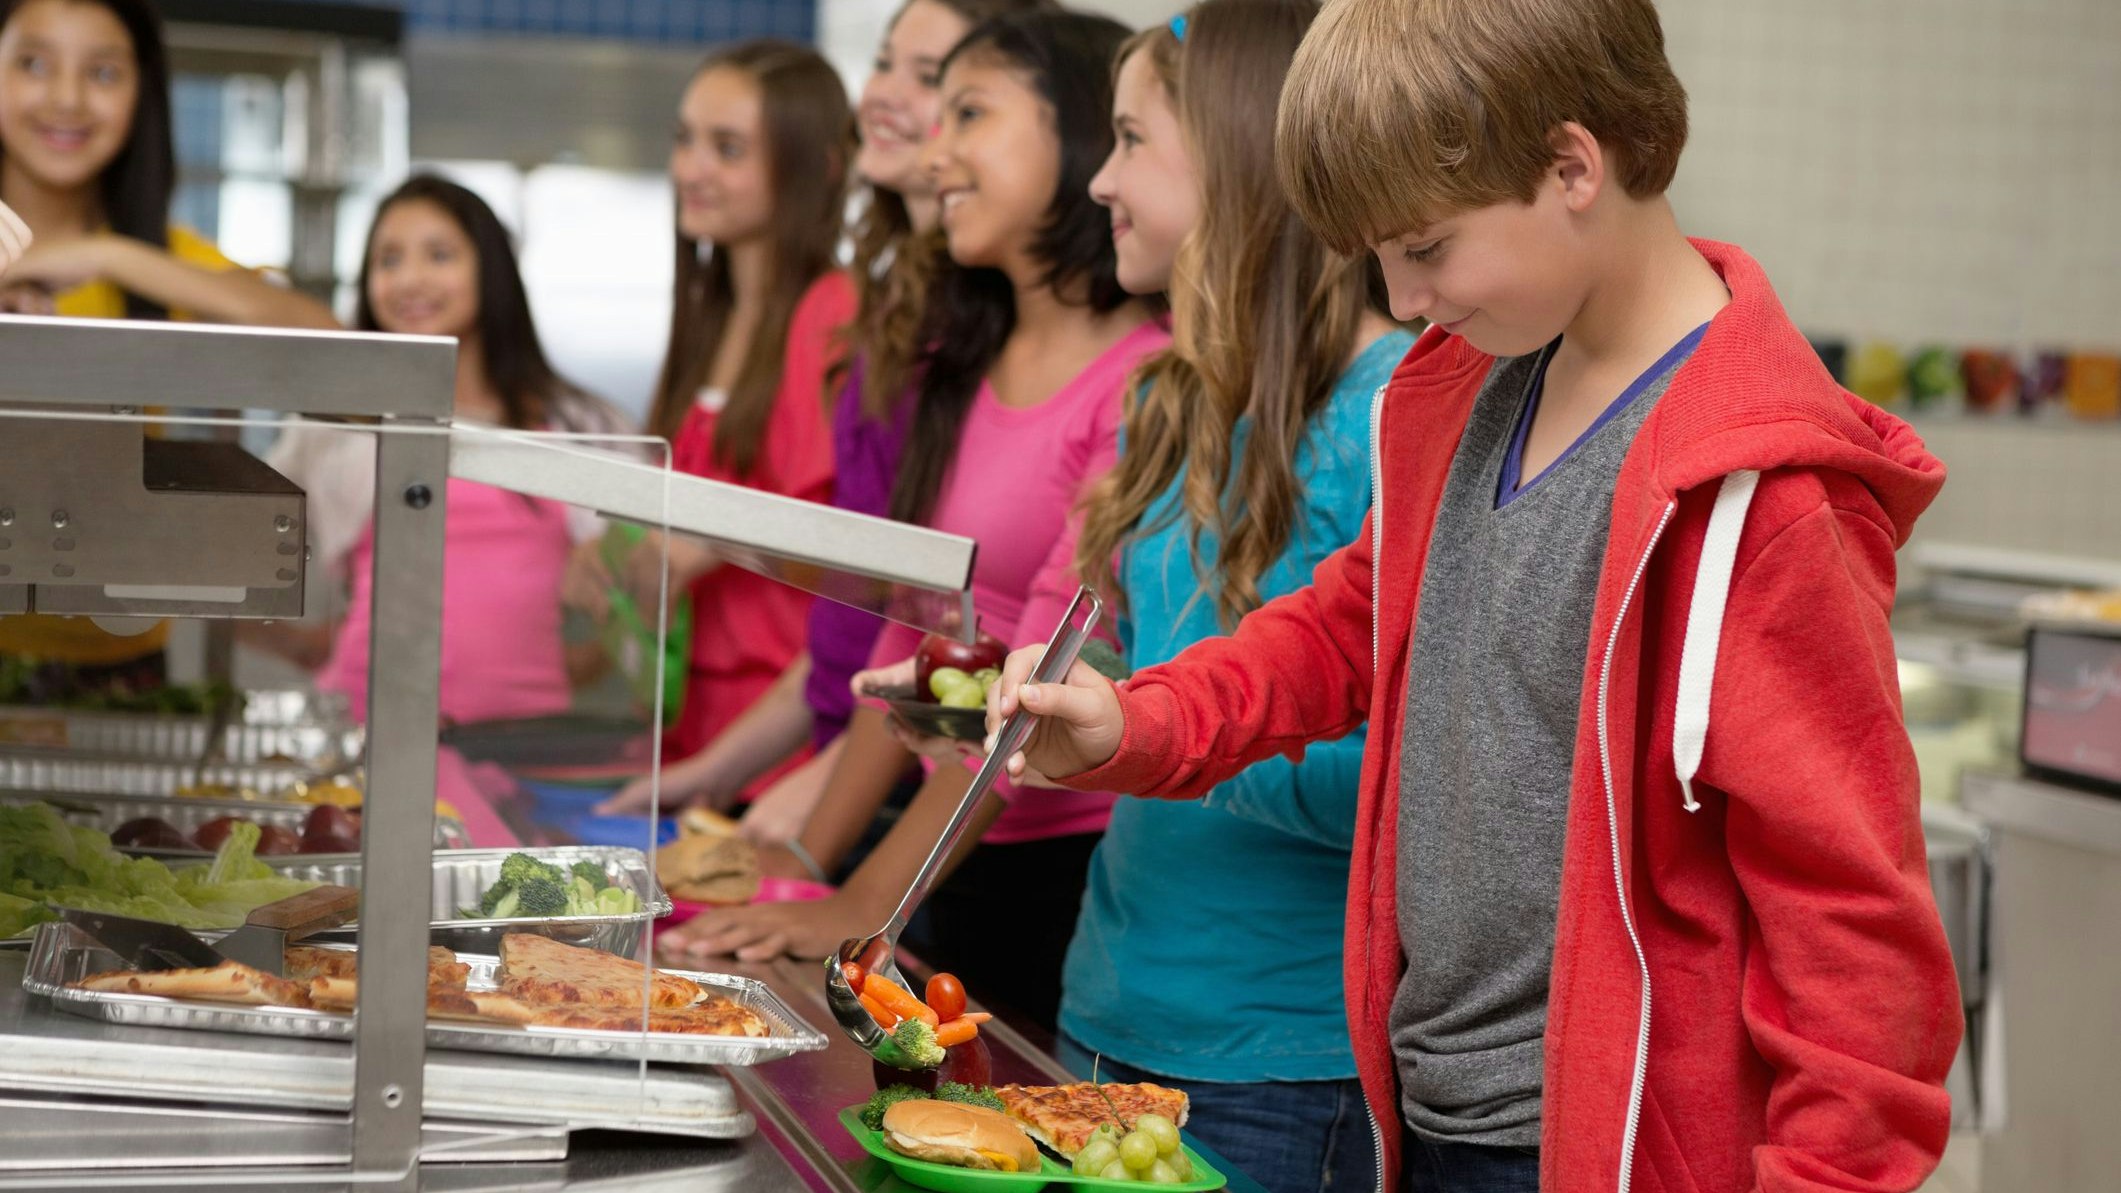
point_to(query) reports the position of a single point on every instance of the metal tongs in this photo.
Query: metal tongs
(877, 952)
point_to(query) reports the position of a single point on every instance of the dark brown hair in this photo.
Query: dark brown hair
(893, 267)
(508, 339)
(1399, 113)
(970, 312)
(809, 143)
(1264, 318)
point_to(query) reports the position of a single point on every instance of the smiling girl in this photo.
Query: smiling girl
(86, 160)
(1025, 348)
(763, 152)
(439, 263)
(894, 255)
(86, 163)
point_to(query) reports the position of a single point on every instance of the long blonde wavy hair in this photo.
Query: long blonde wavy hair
(1264, 318)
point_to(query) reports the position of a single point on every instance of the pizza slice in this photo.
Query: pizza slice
(443, 1002)
(1063, 1116)
(307, 963)
(545, 972)
(713, 1016)
(229, 982)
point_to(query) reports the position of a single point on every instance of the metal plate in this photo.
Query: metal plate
(61, 956)
(461, 877)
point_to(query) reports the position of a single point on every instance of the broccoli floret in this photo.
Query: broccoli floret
(884, 1099)
(969, 1095)
(518, 868)
(916, 1041)
(592, 873)
(540, 897)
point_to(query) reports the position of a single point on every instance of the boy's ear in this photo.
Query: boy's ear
(1579, 164)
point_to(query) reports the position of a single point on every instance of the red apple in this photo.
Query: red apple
(969, 1063)
(209, 836)
(149, 832)
(938, 650)
(327, 820)
(272, 839)
(330, 843)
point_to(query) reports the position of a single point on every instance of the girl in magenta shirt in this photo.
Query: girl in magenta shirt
(1028, 342)
(761, 162)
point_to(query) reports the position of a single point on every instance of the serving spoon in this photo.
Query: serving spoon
(877, 952)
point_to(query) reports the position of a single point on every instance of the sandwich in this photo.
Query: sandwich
(959, 1135)
(706, 868)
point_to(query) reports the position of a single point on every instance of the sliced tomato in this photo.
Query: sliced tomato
(947, 996)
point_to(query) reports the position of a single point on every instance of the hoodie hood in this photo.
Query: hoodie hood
(1755, 397)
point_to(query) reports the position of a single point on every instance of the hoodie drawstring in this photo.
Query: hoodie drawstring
(1704, 627)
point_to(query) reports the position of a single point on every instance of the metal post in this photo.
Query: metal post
(397, 821)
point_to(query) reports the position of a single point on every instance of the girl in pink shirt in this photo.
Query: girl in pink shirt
(1029, 340)
(439, 263)
(761, 162)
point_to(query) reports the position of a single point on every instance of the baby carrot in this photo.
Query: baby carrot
(956, 1031)
(883, 1015)
(895, 999)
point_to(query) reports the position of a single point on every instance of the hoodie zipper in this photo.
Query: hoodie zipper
(1377, 544)
(1620, 886)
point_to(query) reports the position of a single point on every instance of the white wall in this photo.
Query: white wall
(1915, 170)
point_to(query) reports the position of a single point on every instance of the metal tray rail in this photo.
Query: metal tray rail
(461, 877)
(297, 727)
(61, 955)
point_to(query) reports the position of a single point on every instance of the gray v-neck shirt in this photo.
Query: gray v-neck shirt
(1494, 683)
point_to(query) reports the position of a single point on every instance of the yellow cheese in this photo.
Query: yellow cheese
(1005, 1163)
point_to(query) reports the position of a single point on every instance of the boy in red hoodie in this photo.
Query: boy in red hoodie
(1617, 491)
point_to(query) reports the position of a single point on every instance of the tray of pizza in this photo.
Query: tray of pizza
(539, 997)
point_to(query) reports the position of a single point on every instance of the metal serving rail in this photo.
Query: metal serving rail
(115, 523)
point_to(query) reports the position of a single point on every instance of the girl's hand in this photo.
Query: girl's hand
(15, 237)
(643, 571)
(27, 299)
(1079, 720)
(765, 931)
(945, 750)
(65, 265)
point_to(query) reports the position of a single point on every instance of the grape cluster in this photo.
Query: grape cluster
(1149, 1153)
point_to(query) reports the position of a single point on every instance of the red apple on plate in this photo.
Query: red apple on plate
(939, 650)
(209, 836)
(272, 840)
(149, 832)
(330, 829)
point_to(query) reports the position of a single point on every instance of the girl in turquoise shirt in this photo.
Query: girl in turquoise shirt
(1208, 952)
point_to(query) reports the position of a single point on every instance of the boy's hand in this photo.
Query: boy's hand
(1079, 721)
(14, 237)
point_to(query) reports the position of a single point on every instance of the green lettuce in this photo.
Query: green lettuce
(46, 862)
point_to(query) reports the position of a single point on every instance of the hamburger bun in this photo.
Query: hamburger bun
(706, 869)
(964, 1136)
(705, 822)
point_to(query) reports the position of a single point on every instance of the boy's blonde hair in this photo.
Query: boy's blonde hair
(1399, 113)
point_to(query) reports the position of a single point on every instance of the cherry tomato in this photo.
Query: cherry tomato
(946, 996)
(855, 976)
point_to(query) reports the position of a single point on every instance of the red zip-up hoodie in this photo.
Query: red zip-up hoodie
(1751, 988)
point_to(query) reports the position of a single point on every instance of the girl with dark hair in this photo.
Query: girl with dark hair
(894, 254)
(763, 154)
(1024, 350)
(86, 162)
(439, 263)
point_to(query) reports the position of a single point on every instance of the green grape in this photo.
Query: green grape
(1117, 1170)
(1095, 1155)
(1138, 1150)
(1181, 1162)
(1161, 1129)
(1161, 1173)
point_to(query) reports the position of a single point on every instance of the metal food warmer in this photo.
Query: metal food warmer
(98, 518)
